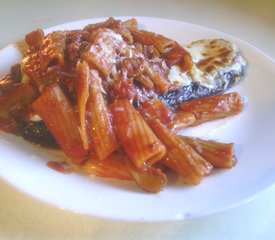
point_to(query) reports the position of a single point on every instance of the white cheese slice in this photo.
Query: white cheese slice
(213, 58)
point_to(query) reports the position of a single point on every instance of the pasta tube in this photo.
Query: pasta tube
(213, 107)
(181, 120)
(82, 92)
(35, 38)
(219, 154)
(149, 178)
(137, 139)
(180, 156)
(161, 43)
(112, 167)
(53, 49)
(59, 117)
(156, 109)
(102, 53)
(103, 139)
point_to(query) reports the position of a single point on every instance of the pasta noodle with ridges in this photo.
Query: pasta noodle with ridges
(101, 132)
(136, 137)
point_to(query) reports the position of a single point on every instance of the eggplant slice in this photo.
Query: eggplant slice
(218, 65)
(37, 133)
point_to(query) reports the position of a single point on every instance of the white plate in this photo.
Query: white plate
(24, 165)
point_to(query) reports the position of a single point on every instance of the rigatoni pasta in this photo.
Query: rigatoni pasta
(136, 137)
(150, 178)
(82, 94)
(53, 49)
(214, 107)
(114, 166)
(220, 155)
(108, 95)
(102, 136)
(161, 43)
(180, 156)
(58, 115)
(102, 53)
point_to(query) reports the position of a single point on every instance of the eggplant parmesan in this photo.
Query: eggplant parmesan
(218, 65)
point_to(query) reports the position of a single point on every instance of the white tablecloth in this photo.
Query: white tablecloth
(23, 217)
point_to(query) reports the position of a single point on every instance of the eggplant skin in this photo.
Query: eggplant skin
(196, 90)
(185, 93)
(37, 133)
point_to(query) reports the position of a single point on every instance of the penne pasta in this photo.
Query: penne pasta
(59, 117)
(53, 49)
(136, 137)
(102, 136)
(180, 156)
(150, 53)
(149, 178)
(35, 38)
(102, 52)
(95, 26)
(220, 155)
(124, 89)
(213, 107)
(76, 43)
(163, 44)
(132, 66)
(31, 67)
(131, 24)
(158, 76)
(113, 166)
(82, 92)
(116, 25)
(124, 31)
(145, 81)
(156, 109)
(181, 120)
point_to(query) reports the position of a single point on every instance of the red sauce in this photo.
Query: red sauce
(61, 167)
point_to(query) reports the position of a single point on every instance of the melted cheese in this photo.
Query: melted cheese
(178, 77)
(194, 75)
(212, 60)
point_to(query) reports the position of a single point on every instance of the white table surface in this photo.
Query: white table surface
(22, 217)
